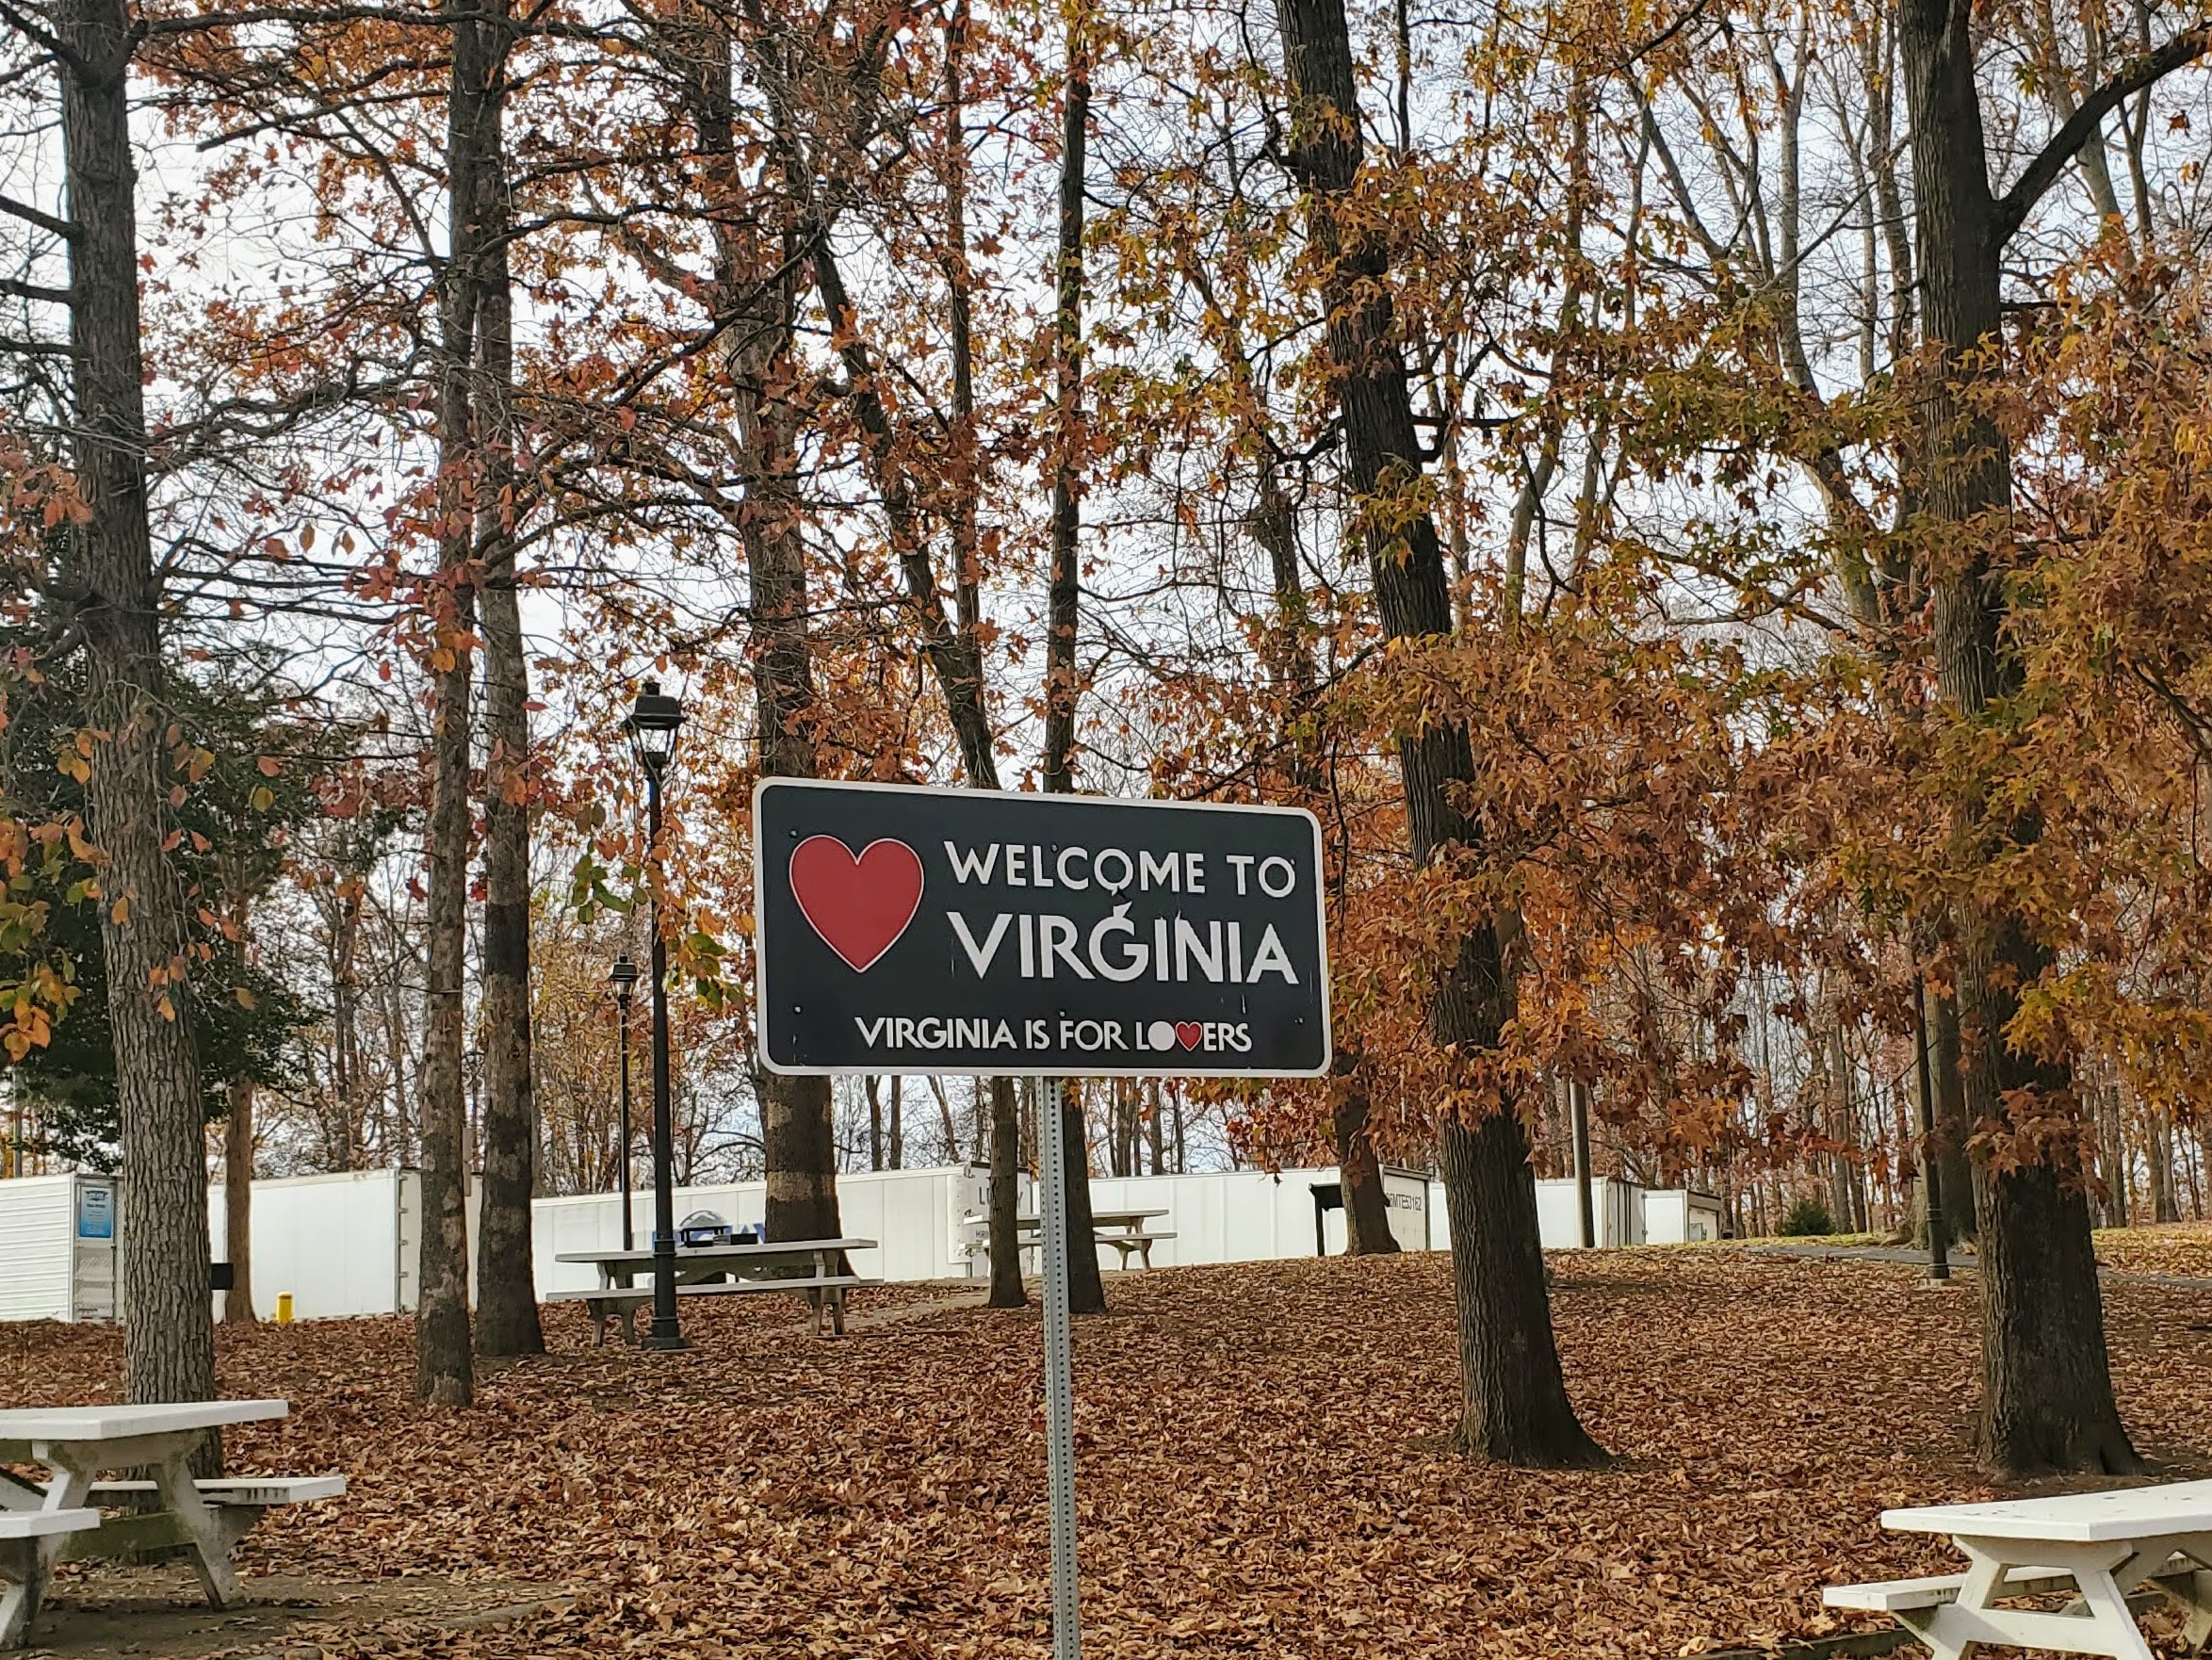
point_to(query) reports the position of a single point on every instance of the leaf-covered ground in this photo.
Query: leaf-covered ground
(2181, 1248)
(1260, 1469)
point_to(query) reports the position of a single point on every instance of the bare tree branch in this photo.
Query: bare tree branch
(2079, 129)
(38, 291)
(45, 221)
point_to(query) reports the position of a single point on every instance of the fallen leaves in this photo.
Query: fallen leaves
(1260, 1465)
(2183, 1249)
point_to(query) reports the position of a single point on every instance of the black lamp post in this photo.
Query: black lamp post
(651, 727)
(623, 976)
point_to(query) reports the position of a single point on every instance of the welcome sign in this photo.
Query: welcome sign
(960, 930)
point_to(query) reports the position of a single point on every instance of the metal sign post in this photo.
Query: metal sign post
(1059, 1382)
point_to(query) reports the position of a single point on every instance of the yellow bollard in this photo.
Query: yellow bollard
(284, 1308)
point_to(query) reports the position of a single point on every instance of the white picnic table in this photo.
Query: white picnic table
(1125, 1231)
(749, 1267)
(77, 1444)
(2097, 1546)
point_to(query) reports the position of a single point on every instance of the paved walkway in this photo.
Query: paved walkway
(1962, 1261)
(899, 1313)
(127, 1612)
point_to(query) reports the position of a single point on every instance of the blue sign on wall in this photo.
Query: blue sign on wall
(95, 1213)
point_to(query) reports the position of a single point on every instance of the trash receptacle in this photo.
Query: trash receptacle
(701, 1227)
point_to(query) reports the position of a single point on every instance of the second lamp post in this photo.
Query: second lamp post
(652, 728)
(623, 976)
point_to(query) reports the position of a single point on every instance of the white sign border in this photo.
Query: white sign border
(1014, 1068)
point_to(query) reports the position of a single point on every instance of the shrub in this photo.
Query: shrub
(1809, 1216)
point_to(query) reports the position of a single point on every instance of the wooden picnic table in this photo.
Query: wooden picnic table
(2096, 1547)
(707, 1269)
(39, 1522)
(1125, 1231)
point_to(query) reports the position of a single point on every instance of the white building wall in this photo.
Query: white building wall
(1412, 1224)
(1614, 1206)
(1679, 1217)
(38, 1237)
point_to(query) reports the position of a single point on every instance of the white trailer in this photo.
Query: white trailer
(1681, 1217)
(60, 1239)
(1618, 1218)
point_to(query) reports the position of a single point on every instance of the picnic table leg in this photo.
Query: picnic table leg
(211, 1553)
(2199, 1629)
(22, 1580)
(2191, 1588)
(2108, 1603)
(2098, 1621)
(19, 1590)
(1983, 1579)
(30, 1565)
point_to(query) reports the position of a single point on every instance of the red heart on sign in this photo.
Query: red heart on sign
(858, 906)
(1188, 1033)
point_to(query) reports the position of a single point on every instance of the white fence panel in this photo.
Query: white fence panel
(340, 1245)
(912, 1215)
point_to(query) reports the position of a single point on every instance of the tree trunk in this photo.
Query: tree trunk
(1006, 1292)
(2047, 1382)
(1505, 1309)
(1964, 1183)
(443, 1373)
(110, 575)
(1585, 1209)
(1087, 1289)
(2112, 1155)
(1274, 527)
(1367, 1208)
(1154, 1127)
(237, 1203)
(2158, 1155)
(954, 647)
(754, 301)
(443, 1370)
(505, 1279)
(403, 1147)
(1513, 1397)
(898, 1137)
(798, 1126)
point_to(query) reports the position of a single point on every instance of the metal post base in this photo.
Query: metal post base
(1059, 1384)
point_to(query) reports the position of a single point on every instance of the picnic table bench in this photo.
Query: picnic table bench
(2099, 1547)
(805, 1267)
(42, 1522)
(1125, 1231)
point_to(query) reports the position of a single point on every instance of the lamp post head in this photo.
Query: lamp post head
(651, 727)
(623, 977)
